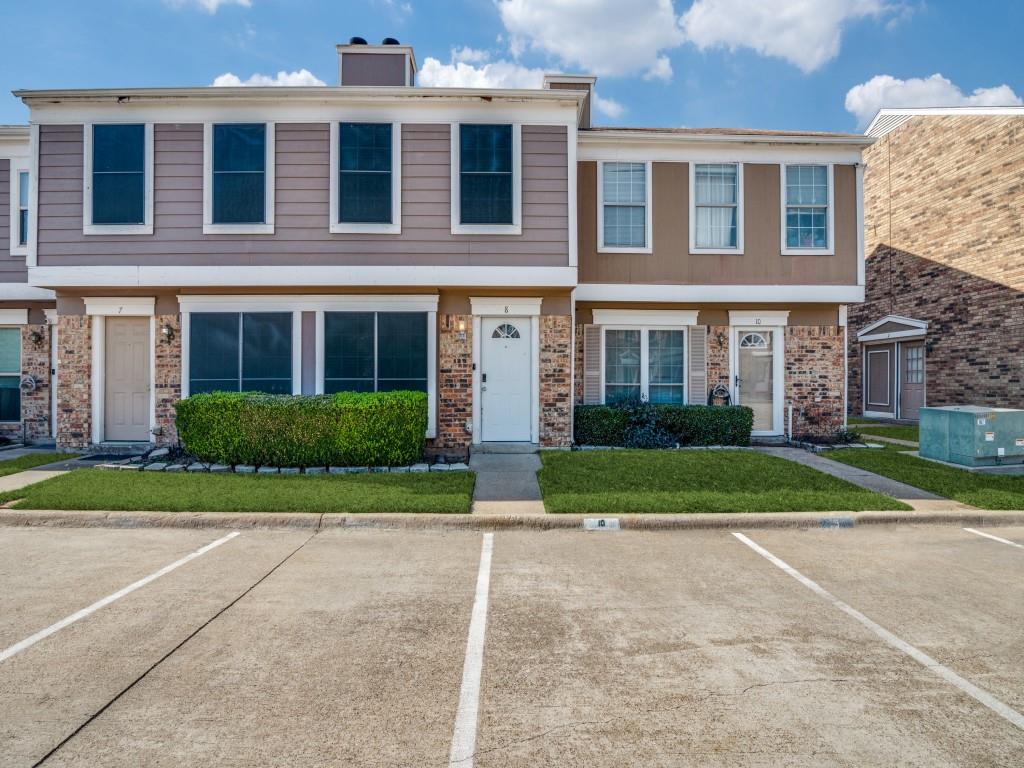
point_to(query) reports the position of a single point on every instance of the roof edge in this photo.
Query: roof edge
(888, 119)
(654, 135)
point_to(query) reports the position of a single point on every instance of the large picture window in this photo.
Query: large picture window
(240, 352)
(239, 173)
(365, 165)
(118, 175)
(646, 363)
(807, 208)
(10, 374)
(486, 174)
(624, 206)
(375, 351)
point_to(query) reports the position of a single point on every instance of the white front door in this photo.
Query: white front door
(505, 391)
(758, 376)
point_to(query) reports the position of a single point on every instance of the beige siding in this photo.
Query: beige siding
(761, 263)
(302, 205)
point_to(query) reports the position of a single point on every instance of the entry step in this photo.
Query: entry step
(505, 448)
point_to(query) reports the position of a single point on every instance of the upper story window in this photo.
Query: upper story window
(716, 222)
(486, 179)
(239, 189)
(366, 180)
(118, 181)
(624, 211)
(22, 208)
(807, 221)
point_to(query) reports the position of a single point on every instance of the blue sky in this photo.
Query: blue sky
(800, 64)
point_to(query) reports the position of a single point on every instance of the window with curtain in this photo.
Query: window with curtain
(240, 352)
(23, 208)
(364, 184)
(716, 196)
(485, 174)
(807, 206)
(621, 365)
(624, 196)
(665, 365)
(646, 363)
(239, 173)
(10, 374)
(375, 351)
(118, 174)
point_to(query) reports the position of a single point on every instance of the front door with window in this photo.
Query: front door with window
(505, 391)
(126, 403)
(911, 379)
(755, 377)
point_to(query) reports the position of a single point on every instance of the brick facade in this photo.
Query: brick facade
(454, 386)
(945, 244)
(718, 356)
(74, 390)
(555, 381)
(35, 404)
(167, 377)
(814, 379)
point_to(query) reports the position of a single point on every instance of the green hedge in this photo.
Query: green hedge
(344, 429)
(688, 424)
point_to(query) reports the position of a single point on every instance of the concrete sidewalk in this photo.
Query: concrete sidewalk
(20, 479)
(915, 497)
(506, 484)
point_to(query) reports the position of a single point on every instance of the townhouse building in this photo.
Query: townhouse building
(943, 320)
(488, 246)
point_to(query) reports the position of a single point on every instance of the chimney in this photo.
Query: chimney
(574, 83)
(387, 64)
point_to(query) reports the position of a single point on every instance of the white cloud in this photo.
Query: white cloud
(608, 107)
(864, 100)
(470, 55)
(603, 37)
(210, 6)
(492, 74)
(805, 33)
(299, 77)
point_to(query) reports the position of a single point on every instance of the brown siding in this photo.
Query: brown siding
(12, 268)
(762, 262)
(302, 204)
(373, 69)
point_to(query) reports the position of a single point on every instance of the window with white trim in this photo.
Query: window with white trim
(624, 206)
(240, 352)
(10, 374)
(645, 363)
(485, 174)
(716, 201)
(118, 179)
(375, 351)
(239, 172)
(22, 223)
(807, 215)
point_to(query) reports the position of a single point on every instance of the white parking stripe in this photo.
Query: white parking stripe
(464, 737)
(976, 693)
(69, 620)
(995, 538)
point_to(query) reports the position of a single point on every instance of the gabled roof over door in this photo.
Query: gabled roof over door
(893, 327)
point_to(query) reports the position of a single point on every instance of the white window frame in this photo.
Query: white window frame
(19, 166)
(367, 228)
(645, 359)
(209, 227)
(648, 246)
(146, 227)
(516, 227)
(18, 373)
(738, 248)
(830, 218)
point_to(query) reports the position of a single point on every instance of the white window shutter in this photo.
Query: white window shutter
(592, 365)
(698, 389)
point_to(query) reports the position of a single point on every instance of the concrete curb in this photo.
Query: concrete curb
(313, 521)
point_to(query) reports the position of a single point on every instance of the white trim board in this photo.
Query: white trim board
(660, 317)
(914, 328)
(455, 167)
(307, 303)
(776, 294)
(25, 292)
(294, 276)
(146, 227)
(499, 306)
(13, 317)
(119, 305)
(758, 317)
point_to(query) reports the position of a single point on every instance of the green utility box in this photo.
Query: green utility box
(972, 435)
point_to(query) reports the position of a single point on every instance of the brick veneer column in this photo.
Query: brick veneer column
(35, 362)
(454, 386)
(555, 381)
(167, 376)
(718, 356)
(814, 379)
(74, 390)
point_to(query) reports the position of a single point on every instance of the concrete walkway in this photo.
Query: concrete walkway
(28, 477)
(894, 440)
(506, 484)
(915, 497)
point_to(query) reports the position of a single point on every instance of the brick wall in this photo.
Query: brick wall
(35, 362)
(74, 390)
(555, 381)
(945, 242)
(167, 377)
(814, 379)
(454, 386)
(718, 356)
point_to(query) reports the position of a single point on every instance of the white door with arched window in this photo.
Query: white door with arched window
(758, 376)
(505, 370)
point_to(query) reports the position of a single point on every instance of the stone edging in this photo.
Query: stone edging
(412, 521)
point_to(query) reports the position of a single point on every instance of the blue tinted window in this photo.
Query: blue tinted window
(375, 352)
(118, 174)
(267, 352)
(365, 172)
(239, 173)
(232, 352)
(485, 156)
(348, 352)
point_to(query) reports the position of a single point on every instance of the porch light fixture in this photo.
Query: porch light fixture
(462, 330)
(36, 337)
(167, 330)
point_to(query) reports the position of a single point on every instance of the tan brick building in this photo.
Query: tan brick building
(943, 318)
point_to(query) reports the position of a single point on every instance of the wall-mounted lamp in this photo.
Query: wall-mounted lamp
(462, 330)
(36, 337)
(167, 331)
(720, 338)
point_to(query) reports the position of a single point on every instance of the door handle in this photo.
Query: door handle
(483, 378)
(737, 378)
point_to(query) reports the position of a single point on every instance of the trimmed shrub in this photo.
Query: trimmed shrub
(618, 425)
(344, 429)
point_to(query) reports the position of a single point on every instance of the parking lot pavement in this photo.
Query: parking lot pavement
(601, 649)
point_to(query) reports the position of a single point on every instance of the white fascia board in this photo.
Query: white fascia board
(308, 303)
(645, 317)
(282, 276)
(13, 317)
(889, 118)
(129, 306)
(498, 305)
(746, 294)
(25, 292)
(767, 317)
(920, 325)
(712, 152)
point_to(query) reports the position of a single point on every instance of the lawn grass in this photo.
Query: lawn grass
(92, 489)
(619, 482)
(30, 460)
(898, 431)
(983, 491)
